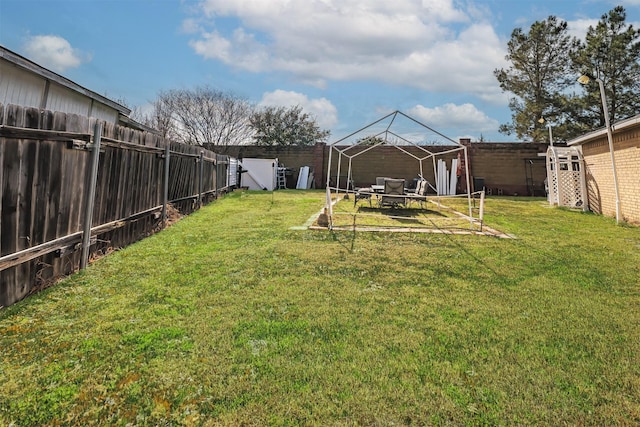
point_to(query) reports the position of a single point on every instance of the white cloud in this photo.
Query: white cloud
(444, 10)
(53, 52)
(578, 28)
(321, 109)
(212, 45)
(428, 44)
(191, 26)
(465, 118)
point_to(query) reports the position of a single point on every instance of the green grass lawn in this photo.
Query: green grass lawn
(231, 317)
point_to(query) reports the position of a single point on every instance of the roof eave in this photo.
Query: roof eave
(588, 137)
(25, 63)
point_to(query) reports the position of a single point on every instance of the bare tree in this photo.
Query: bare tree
(203, 116)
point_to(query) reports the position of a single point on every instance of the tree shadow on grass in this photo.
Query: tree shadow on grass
(347, 239)
(351, 240)
(482, 263)
(403, 215)
(402, 212)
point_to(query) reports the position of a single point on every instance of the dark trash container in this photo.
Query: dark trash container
(478, 183)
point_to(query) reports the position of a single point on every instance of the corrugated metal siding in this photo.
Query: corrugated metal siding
(103, 112)
(63, 99)
(22, 87)
(18, 87)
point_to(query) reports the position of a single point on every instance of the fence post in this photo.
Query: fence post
(91, 195)
(215, 176)
(481, 212)
(165, 185)
(201, 173)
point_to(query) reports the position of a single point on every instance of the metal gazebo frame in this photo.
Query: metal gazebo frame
(388, 137)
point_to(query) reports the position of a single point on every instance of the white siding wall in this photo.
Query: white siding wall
(63, 99)
(23, 87)
(18, 87)
(103, 112)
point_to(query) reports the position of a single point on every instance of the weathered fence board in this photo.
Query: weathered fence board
(8, 232)
(44, 184)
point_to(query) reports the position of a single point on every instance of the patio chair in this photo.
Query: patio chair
(420, 193)
(363, 193)
(393, 193)
(380, 180)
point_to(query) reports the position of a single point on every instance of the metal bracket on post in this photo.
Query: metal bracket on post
(78, 144)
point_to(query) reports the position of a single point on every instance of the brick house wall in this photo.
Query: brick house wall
(599, 171)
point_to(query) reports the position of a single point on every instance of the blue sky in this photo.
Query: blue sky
(347, 62)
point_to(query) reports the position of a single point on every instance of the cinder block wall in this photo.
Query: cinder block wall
(507, 168)
(388, 161)
(292, 157)
(600, 184)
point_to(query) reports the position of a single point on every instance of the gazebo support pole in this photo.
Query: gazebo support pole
(338, 174)
(466, 173)
(328, 202)
(435, 177)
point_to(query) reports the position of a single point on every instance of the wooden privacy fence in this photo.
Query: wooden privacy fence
(72, 188)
